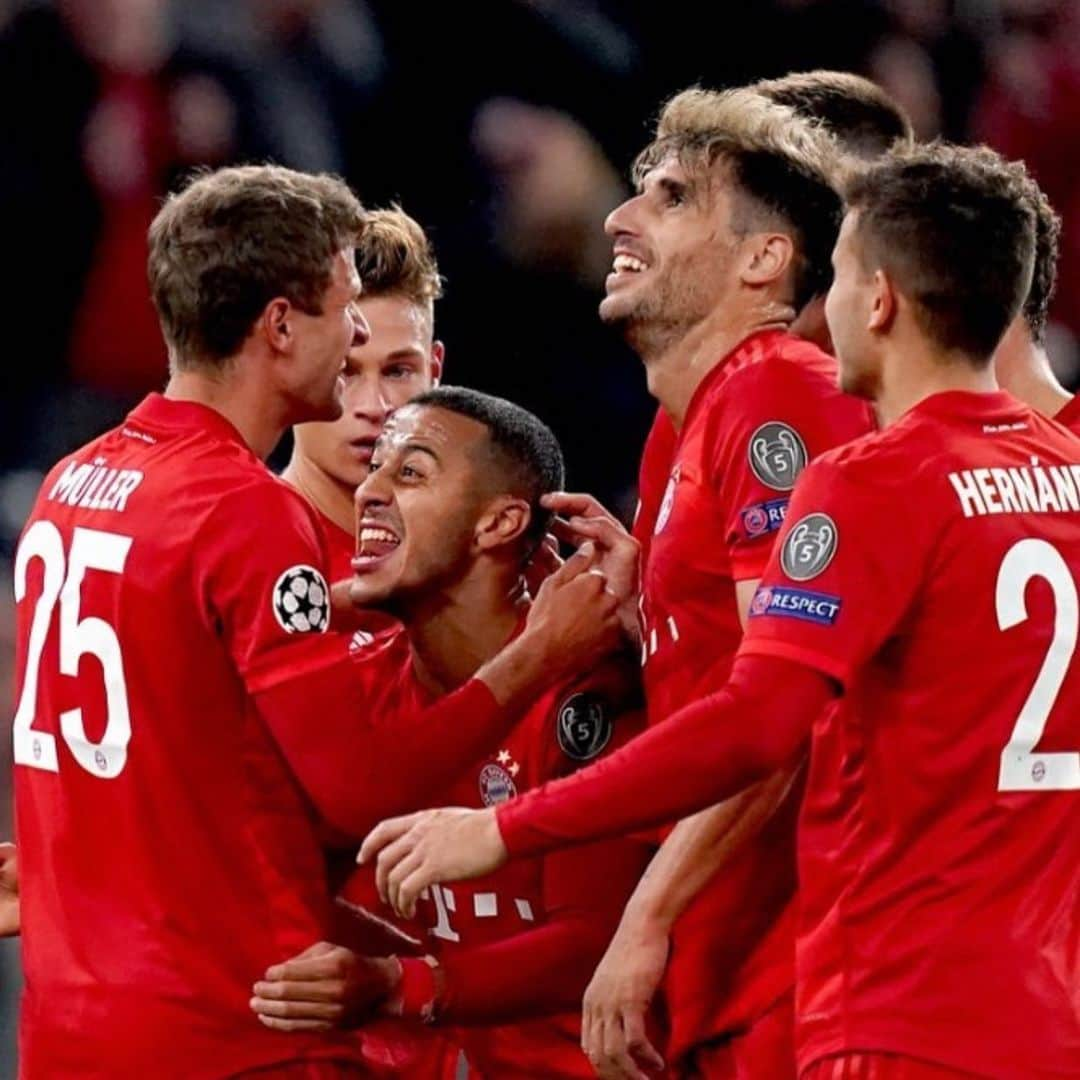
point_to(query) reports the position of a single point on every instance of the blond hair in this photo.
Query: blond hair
(395, 257)
(786, 169)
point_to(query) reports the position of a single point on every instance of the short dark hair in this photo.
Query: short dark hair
(523, 448)
(781, 165)
(230, 241)
(864, 119)
(954, 228)
(1044, 273)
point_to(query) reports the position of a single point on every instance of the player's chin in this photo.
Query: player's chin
(375, 576)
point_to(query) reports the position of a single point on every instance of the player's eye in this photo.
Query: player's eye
(399, 371)
(410, 472)
(374, 466)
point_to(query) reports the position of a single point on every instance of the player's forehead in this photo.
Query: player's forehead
(396, 321)
(448, 433)
(345, 278)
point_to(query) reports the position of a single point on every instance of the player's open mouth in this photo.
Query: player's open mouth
(628, 264)
(363, 448)
(624, 266)
(374, 544)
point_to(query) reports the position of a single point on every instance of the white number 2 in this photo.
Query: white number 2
(1022, 769)
(90, 550)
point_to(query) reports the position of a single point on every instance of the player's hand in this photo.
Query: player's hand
(617, 1000)
(544, 562)
(574, 621)
(326, 986)
(582, 519)
(9, 890)
(416, 851)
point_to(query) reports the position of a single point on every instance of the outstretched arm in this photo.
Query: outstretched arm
(358, 765)
(711, 750)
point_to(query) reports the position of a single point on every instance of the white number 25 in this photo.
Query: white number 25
(1022, 767)
(63, 580)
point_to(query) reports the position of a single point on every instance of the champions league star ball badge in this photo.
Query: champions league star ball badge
(301, 601)
(777, 455)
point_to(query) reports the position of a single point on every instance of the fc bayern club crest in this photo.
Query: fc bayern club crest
(301, 601)
(777, 455)
(667, 503)
(496, 785)
(584, 727)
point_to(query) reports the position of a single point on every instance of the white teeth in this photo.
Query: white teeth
(624, 263)
(376, 535)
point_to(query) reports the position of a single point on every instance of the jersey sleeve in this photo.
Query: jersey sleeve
(769, 428)
(845, 569)
(260, 566)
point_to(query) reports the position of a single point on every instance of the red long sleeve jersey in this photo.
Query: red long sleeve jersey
(164, 578)
(525, 940)
(712, 499)
(933, 571)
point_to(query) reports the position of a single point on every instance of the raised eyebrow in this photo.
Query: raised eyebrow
(673, 187)
(422, 447)
(407, 353)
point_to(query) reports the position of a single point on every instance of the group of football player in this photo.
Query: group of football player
(783, 782)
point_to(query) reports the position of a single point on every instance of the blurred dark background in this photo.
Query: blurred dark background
(506, 127)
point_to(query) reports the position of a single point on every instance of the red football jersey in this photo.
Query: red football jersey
(530, 934)
(758, 417)
(932, 570)
(340, 547)
(164, 576)
(1070, 415)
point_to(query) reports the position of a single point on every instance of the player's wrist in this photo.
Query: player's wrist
(517, 669)
(419, 989)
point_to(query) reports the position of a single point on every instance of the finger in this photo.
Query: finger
(299, 966)
(579, 503)
(576, 564)
(385, 833)
(294, 1025)
(388, 861)
(300, 990)
(411, 888)
(617, 1063)
(327, 1011)
(637, 1039)
(591, 1034)
(406, 866)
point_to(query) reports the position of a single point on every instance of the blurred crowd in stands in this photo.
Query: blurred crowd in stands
(506, 127)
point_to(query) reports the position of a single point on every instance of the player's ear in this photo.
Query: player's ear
(503, 521)
(768, 258)
(438, 354)
(275, 324)
(883, 303)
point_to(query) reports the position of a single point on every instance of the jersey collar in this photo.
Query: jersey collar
(159, 411)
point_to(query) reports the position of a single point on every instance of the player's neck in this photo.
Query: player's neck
(455, 632)
(675, 373)
(918, 373)
(1026, 373)
(333, 499)
(241, 400)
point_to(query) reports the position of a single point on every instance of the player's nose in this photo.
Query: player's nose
(369, 401)
(361, 329)
(620, 220)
